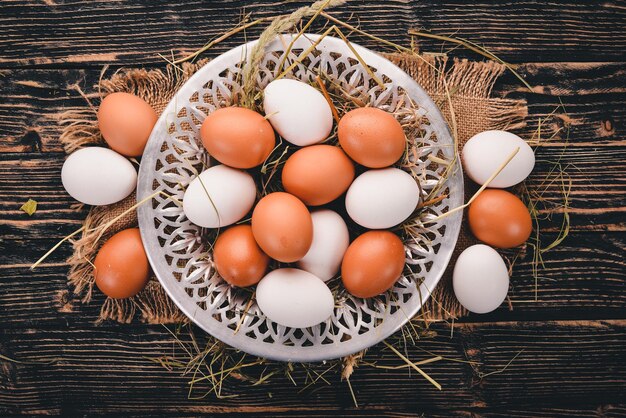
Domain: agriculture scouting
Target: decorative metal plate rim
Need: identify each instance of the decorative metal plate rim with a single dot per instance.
(272, 350)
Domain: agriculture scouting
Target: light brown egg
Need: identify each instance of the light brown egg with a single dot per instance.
(126, 122)
(282, 226)
(318, 174)
(238, 258)
(500, 219)
(122, 268)
(371, 137)
(238, 137)
(372, 263)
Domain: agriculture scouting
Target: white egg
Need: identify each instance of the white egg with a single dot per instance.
(294, 298)
(383, 198)
(330, 242)
(219, 196)
(297, 111)
(480, 279)
(486, 151)
(98, 176)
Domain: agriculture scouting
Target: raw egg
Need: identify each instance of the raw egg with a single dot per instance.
(486, 151)
(500, 219)
(282, 226)
(219, 196)
(297, 111)
(318, 174)
(238, 137)
(371, 137)
(480, 279)
(372, 263)
(380, 199)
(238, 258)
(330, 241)
(294, 298)
(121, 266)
(126, 122)
(98, 176)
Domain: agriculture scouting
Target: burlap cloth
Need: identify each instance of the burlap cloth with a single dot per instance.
(469, 83)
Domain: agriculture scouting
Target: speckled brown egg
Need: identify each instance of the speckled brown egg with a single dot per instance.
(372, 263)
(126, 122)
(500, 219)
(121, 266)
(238, 258)
(238, 137)
(318, 174)
(371, 137)
(282, 226)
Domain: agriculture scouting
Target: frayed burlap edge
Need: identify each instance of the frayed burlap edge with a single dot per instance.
(464, 85)
(80, 128)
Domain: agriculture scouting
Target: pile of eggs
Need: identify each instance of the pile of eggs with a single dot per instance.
(298, 227)
(309, 241)
(496, 217)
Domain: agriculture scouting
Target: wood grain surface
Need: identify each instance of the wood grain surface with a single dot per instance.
(558, 351)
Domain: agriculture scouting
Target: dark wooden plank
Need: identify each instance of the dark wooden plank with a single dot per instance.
(602, 410)
(62, 34)
(597, 197)
(40, 179)
(607, 411)
(568, 368)
(560, 31)
(569, 78)
(31, 104)
(584, 278)
(579, 364)
(593, 95)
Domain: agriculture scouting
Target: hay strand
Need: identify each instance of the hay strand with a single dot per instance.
(278, 26)
(483, 187)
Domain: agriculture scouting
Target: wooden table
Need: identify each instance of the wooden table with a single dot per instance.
(570, 344)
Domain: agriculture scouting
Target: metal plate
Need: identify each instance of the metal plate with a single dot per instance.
(182, 261)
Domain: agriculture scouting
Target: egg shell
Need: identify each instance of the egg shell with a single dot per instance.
(282, 226)
(98, 176)
(294, 298)
(126, 122)
(480, 279)
(380, 199)
(238, 137)
(219, 196)
(371, 137)
(372, 264)
(486, 151)
(121, 266)
(297, 111)
(330, 241)
(500, 219)
(238, 258)
(318, 174)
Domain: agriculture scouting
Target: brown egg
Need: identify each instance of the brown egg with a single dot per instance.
(126, 122)
(282, 226)
(371, 137)
(238, 258)
(372, 263)
(122, 268)
(318, 174)
(238, 137)
(500, 219)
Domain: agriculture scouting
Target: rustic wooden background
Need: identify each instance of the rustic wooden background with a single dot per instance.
(571, 342)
